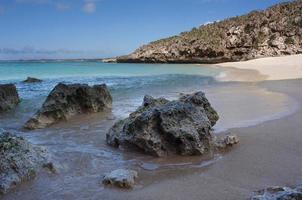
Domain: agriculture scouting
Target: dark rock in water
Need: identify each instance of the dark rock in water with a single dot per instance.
(19, 161)
(120, 178)
(160, 127)
(279, 193)
(9, 97)
(65, 101)
(32, 80)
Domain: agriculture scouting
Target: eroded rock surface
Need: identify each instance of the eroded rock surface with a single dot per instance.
(65, 101)
(279, 193)
(19, 161)
(161, 127)
(121, 178)
(9, 97)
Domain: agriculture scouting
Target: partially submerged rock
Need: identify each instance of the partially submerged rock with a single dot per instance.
(9, 97)
(19, 161)
(279, 193)
(65, 101)
(226, 141)
(121, 178)
(32, 80)
(160, 127)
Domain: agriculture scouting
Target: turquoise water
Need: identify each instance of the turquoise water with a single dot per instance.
(48, 70)
(128, 83)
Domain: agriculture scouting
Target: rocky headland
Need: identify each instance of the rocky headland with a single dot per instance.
(65, 101)
(9, 97)
(273, 32)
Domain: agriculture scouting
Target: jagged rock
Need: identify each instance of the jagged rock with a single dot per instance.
(226, 141)
(121, 178)
(19, 161)
(279, 193)
(32, 80)
(109, 60)
(9, 97)
(65, 101)
(272, 32)
(160, 127)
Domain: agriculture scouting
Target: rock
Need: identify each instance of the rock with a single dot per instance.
(109, 60)
(121, 178)
(19, 161)
(9, 97)
(245, 37)
(226, 141)
(279, 193)
(32, 80)
(160, 127)
(65, 101)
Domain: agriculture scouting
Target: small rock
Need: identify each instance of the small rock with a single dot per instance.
(9, 97)
(121, 178)
(226, 141)
(32, 80)
(278, 193)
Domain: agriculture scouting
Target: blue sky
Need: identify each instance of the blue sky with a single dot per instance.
(32, 29)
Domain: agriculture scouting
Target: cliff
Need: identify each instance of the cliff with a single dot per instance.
(273, 32)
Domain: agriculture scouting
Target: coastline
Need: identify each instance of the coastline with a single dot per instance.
(268, 154)
(269, 68)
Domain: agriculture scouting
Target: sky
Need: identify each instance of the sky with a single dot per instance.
(38, 29)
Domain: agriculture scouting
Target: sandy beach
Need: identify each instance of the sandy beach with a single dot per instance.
(271, 68)
(269, 154)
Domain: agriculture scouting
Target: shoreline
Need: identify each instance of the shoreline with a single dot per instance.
(269, 68)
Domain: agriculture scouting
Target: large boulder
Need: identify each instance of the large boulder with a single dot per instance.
(9, 97)
(161, 127)
(19, 161)
(65, 101)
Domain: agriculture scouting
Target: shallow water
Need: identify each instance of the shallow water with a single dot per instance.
(78, 146)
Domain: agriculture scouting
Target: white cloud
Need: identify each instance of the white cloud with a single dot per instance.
(2, 10)
(62, 6)
(89, 6)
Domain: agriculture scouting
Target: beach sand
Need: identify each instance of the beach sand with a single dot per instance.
(269, 154)
(271, 68)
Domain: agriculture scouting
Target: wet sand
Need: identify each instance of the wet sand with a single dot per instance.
(269, 154)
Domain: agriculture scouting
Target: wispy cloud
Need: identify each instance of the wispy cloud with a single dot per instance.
(30, 52)
(34, 1)
(2, 10)
(89, 6)
(62, 6)
(57, 4)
